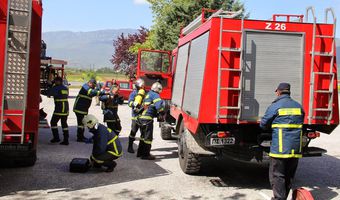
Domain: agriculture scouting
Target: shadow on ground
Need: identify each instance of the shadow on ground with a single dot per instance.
(51, 169)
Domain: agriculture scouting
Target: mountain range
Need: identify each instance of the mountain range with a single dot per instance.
(83, 49)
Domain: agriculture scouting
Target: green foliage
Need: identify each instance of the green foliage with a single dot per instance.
(172, 15)
(88, 75)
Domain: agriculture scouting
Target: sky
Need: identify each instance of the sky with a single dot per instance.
(89, 15)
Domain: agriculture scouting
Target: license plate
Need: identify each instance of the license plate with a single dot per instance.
(222, 141)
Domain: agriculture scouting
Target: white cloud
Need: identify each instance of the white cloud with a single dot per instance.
(140, 2)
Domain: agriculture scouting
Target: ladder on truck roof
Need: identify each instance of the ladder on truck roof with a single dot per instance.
(239, 53)
(330, 75)
(14, 95)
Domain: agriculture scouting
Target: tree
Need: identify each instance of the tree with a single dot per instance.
(172, 15)
(123, 59)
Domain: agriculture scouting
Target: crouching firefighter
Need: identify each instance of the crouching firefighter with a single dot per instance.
(82, 105)
(285, 117)
(110, 108)
(135, 102)
(106, 145)
(61, 110)
(153, 106)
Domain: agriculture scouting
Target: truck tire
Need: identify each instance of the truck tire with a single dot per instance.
(166, 132)
(190, 163)
(29, 161)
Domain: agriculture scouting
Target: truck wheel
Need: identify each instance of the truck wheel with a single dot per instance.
(166, 132)
(189, 162)
(29, 161)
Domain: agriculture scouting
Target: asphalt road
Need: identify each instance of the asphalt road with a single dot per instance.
(161, 179)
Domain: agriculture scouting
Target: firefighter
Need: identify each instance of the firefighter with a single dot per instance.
(61, 110)
(135, 102)
(110, 108)
(285, 117)
(82, 105)
(106, 144)
(153, 107)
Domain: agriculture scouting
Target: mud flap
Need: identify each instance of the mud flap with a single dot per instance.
(313, 152)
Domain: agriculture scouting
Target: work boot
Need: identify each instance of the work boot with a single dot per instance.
(80, 136)
(55, 136)
(146, 153)
(65, 141)
(140, 149)
(130, 147)
(111, 167)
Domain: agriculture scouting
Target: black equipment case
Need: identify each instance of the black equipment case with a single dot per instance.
(80, 165)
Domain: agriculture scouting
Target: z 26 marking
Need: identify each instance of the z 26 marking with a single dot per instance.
(276, 26)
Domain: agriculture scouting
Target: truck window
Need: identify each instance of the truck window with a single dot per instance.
(155, 62)
(124, 85)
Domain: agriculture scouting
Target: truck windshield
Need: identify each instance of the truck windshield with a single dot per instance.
(155, 61)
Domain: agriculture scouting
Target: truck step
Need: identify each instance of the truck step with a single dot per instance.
(230, 49)
(19, 10)
(227, 88)
(324, 36)
(18, 52)
(17, 31)
(323, 109)
(230, 107)
(231, 69)
(325, 54)
(323, 91)
(313, 152)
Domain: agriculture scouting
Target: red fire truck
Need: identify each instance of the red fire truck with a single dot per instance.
(20, 40)
(225, 72)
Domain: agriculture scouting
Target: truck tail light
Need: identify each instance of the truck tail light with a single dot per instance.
(313, 135)
(223, 134)
(27, 138)
(10, 139)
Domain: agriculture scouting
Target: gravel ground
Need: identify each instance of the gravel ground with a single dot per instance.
(160, 179)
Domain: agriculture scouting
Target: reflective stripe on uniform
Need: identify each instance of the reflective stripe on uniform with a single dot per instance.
(285, 155)
(89, 91)
(147, 142)
(134, 118)
(80, 112)
(64, 91)
(145, 117)
(287, 126)
(85, 97)
(110, 120)
(61, 114)
(157, 100)
(54, 127)
(130, 104)
(65, 129)
(115, 154)
(96, 160)
(290, 111)
(60, 100)
(109, 130)
(98, 93)
(80, 126)
(280, 141)
(112, 140)
(63, 109)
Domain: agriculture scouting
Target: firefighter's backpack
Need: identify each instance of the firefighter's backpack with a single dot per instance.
(80, 165)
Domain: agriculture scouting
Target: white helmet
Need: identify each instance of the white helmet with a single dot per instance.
(157, 87)
(139, 83)
(90, 121)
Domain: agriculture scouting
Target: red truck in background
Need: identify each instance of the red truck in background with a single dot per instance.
(126, 87)
(224, 73)
(20, 47)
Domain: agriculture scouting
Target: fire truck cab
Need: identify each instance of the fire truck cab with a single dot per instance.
(225, 72)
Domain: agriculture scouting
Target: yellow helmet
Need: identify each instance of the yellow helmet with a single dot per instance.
(90, 121)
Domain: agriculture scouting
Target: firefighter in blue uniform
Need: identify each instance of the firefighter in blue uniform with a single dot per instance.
(60, 94)
(82, 105)
(110, 108)
(106, 144)
(153, 107)
(135, 102)
(285, 117)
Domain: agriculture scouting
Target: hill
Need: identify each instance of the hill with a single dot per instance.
(83, 49)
